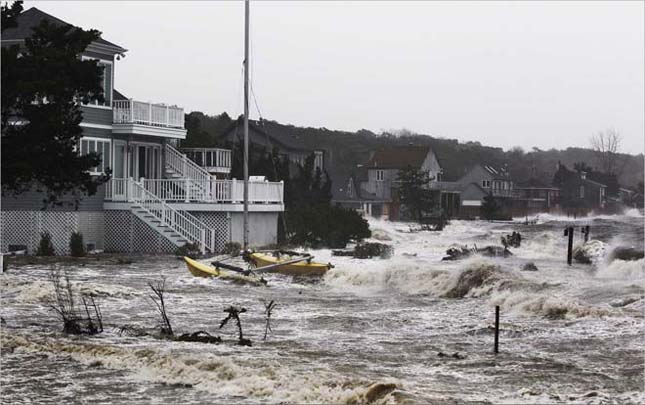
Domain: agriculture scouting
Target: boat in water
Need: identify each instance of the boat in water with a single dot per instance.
(199, 269)
(285, 262)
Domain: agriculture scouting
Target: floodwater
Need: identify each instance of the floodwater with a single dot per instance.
(568, 334)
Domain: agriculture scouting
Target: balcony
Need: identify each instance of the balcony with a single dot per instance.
(213, 160)
(200, 192)
(143, 118)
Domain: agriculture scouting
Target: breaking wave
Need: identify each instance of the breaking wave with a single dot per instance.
(215, 374)
(33, 291)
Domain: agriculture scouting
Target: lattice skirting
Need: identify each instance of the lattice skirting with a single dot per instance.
(125, 233)
(25, 227)
(220, 222)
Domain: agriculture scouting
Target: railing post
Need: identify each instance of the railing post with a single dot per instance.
(167, 117)
(211, 189)
(131, 111)
(202, 237)
(187, 189)
(184, 163)
(281, 191)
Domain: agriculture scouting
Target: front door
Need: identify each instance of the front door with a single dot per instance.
(145, 161)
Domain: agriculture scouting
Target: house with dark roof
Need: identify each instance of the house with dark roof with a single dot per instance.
(157, 198)
(534, 196)
(379, 192)
(578, 193)
(264, 136)
(482, 180)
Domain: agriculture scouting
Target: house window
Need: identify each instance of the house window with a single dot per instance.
(380, 175)
(582, 191)
(486, 183)
(106, 83)
(318, 160)
(100, 146)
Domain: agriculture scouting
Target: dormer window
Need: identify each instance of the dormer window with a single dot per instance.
(380, 175)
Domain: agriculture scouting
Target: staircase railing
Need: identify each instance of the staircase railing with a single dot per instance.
(185, 224)
(181, 164)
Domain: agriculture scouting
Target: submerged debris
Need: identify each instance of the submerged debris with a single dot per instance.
(530, 266)
(367, 250)
(626, 253)
(234, 313)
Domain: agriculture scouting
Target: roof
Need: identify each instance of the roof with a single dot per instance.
(117, 95)
(594, 182)
(277, 135)
(496, 172)
(29, 19)
(398, 157)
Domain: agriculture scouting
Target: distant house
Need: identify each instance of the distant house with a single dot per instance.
(157, 198)
(290, 145)
(482, 180)
(380, 190)
(535, 195)
(577, 192)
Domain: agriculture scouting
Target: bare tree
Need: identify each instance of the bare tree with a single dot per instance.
(158, 299)
(65, 304)
(606, 145)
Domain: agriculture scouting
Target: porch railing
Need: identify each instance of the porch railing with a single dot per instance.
(182, 222)
(211, 159)
(143, 113)
(207, 191)
(215, 191)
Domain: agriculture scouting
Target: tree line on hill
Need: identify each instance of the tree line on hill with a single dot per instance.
(347, 150)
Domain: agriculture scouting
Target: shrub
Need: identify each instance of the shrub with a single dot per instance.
(45, 247)
(76, 246)
(189, 249)
(325, 226)
(232, 248)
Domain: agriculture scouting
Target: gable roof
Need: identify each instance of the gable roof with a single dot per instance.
(29, 19)
(398, 157)
(276, 136)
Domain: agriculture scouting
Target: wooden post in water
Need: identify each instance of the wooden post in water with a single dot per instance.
(568, 231)
(585, 232)
(496, 349)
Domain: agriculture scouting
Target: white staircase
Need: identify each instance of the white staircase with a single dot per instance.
(179, 227)
(179, 166)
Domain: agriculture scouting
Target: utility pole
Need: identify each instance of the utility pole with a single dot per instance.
(246, 125)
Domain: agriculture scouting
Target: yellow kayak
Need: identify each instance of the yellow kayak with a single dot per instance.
(303, 268)
(198, 269)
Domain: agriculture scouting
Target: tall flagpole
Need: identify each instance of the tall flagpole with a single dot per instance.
(246, 125)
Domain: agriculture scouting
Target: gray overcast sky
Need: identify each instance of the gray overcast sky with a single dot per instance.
(545, 74)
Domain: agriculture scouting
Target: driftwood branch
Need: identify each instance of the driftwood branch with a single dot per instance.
(234, 313)
(268, 308)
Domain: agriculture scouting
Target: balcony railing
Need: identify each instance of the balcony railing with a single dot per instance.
(213, 160)
(142, 113)
(190, 190)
